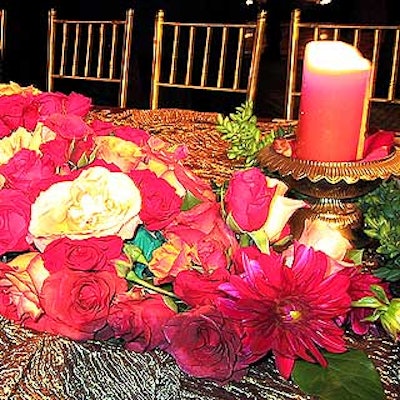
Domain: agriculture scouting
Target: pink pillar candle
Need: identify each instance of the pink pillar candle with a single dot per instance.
(332, 104)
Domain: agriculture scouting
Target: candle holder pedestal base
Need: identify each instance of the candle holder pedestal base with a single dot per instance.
(330, 188)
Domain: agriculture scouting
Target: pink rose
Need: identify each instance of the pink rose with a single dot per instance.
(93, 254)
(134, 135)
(15, 211)
(206, 345)
(70, 126)
(57, 150)
(50, 103)
(78, 302)
(78, 104)
(199, 289)
(139, 320)
(160, 203)
(8, 308)
(171, 258)
(26, 276)
(169, 167)
(248, 198)
(103, 128)
(28, 172)
(17, 110)
(256, 204)
(202, 228)
(202, 217)
(212, 254)
(60, 103)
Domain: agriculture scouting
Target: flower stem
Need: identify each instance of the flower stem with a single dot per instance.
(132, 277)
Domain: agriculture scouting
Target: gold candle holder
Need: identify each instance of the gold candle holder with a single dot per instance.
(331, 188)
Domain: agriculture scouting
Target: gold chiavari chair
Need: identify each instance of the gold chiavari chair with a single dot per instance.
(93, 51)
(206, 56)
(380, 44)
(2, 33)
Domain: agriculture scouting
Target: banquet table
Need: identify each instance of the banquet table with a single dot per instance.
(43, 366)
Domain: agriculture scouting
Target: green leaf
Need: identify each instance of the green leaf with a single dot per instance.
(356, 256)
(391, 275)
(349, 376)
(241, 130)
(379, 293)
(261, 240)
(189, 201)
(134, 253)
(368, 301)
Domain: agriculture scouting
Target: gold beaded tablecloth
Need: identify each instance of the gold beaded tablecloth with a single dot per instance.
(41, 366)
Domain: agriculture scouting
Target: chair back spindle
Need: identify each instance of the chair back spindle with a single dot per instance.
(93, 51)
(206, 56)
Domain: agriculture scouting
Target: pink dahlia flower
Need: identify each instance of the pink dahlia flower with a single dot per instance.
(289, 310)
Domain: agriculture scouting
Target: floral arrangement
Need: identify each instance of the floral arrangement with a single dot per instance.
(104, 234)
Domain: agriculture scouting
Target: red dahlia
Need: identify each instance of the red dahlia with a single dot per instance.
(290, 310)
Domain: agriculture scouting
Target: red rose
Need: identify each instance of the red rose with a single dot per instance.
(197, 289)
(81, 147)
(360, 286)
(68, 126)
(205, 344)
(248, 198)
(140, 320)
(15, 210)
(160, 203)
(78, 302)
(29, 172)
(379, 144)
(93, 254)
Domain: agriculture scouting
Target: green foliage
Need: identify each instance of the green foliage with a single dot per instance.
(349, 376)
(189, 201)
(241, 130)
(381, 209)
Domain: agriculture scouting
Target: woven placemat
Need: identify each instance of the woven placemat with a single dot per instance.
(207, 156)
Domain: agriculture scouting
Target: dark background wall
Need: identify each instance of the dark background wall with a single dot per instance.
(25, 60)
